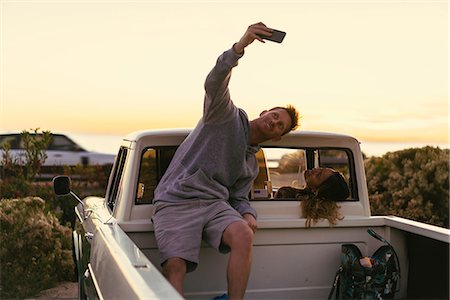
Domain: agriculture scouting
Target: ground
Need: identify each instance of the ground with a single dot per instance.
(64, 290)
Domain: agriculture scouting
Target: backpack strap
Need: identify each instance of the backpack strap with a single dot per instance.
(377, 236)
(335, 282)
(380, 238)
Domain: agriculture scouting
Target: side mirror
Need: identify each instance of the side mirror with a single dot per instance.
(61, 186)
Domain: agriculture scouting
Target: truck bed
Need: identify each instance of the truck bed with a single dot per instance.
(293, 262)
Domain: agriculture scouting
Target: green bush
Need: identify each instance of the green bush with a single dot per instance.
(35, 250)
(411, 183)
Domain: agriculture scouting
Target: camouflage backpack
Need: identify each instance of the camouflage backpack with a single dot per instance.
(374, 277)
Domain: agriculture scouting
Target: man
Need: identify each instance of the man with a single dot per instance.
(204, 192)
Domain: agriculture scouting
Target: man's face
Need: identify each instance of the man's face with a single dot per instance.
(315, 177)
(273, 124)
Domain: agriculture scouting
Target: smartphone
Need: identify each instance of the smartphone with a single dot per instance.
(277, 36)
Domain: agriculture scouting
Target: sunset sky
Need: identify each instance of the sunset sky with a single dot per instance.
(377, 70)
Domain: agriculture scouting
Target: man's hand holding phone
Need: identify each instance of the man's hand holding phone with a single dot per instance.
(259, 32)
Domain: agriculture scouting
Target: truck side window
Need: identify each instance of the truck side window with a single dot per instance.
(154, 162)
(115, 180)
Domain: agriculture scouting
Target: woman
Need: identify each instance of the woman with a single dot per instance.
(324, 186)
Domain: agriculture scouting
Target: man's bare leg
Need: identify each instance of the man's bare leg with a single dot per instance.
(174, 269)
(239, 237)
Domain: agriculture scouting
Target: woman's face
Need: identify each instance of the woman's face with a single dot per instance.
(315, 177)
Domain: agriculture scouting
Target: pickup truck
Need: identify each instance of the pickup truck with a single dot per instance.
(117, 257)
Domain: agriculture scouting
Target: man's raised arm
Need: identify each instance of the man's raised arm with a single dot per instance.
(217, 103)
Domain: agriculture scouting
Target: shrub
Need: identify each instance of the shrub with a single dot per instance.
(411, 183)
(35, 154)
(35, 250)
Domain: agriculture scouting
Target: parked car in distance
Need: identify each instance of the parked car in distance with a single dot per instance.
(62, 151)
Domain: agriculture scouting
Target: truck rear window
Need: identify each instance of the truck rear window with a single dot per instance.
(278, 167)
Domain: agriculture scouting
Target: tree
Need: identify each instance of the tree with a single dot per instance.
(17, 175)
(411, 183)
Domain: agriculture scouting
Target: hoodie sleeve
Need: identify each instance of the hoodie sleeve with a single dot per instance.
(239, 198)
(217, 104)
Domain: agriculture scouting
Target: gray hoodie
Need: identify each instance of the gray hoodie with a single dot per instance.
(215, 162)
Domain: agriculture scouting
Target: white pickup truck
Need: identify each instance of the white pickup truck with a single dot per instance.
(117, 256)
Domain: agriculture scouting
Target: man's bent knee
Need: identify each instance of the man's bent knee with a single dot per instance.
(238, 234)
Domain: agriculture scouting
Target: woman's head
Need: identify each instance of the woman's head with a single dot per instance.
(328, 186)
(318, 201)
(327, 183)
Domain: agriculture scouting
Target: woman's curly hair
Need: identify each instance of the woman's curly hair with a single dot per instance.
(314, 209)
